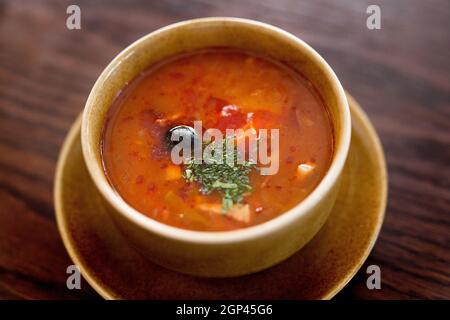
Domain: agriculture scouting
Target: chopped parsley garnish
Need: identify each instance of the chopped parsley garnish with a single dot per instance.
(232, 182)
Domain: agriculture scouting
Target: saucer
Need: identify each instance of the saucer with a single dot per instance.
(318, 271)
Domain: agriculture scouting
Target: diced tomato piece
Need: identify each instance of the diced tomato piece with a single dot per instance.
(231, 117)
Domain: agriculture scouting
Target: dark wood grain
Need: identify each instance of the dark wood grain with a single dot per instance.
(400, 75)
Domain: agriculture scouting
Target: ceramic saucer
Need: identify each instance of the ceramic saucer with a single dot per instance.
(318, 271)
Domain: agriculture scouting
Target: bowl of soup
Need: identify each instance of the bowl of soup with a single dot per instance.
(218, 144)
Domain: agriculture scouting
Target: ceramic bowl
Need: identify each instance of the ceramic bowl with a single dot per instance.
(227, 253)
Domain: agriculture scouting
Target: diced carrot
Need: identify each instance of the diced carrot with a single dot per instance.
(173, 173)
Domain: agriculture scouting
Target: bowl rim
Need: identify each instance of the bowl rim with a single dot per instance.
(218, 237)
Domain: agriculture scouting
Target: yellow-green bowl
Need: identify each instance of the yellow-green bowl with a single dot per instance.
(230, 253)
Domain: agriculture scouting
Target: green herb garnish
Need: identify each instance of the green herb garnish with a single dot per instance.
(232, 181)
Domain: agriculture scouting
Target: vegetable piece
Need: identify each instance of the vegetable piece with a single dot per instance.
(210, 207)
(173, 173)
(239, 212)
(186, 210)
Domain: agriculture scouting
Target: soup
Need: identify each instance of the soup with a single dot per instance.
(224, 89)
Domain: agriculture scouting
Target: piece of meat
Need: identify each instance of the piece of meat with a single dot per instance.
(239, 212)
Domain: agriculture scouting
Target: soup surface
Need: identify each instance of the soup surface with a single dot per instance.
(225, 89)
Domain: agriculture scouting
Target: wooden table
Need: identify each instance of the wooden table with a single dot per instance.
(400, 75)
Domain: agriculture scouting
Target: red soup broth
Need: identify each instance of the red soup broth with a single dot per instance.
(198, 86)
